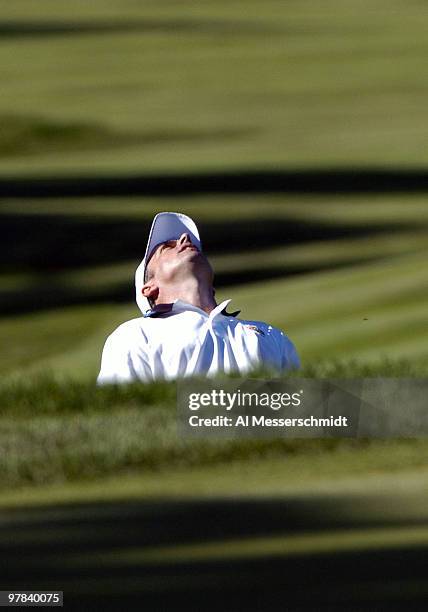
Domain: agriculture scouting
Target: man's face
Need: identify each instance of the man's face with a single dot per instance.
(175, 259)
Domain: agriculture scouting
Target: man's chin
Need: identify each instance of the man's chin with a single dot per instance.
(194, 261)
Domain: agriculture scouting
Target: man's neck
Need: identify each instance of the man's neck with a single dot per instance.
(192, 292)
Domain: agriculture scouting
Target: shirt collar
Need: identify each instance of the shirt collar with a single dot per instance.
(181, 306)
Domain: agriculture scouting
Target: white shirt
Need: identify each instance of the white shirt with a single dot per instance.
(187, 341)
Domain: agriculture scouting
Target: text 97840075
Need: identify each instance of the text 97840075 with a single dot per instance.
(31, 598)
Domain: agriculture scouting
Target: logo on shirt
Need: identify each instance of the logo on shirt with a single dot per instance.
(256, 329)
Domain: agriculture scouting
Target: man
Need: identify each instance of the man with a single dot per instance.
(183, 331)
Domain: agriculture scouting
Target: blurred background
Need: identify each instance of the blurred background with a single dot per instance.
(295, 134)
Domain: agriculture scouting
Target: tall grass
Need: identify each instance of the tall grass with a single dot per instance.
(61, 431)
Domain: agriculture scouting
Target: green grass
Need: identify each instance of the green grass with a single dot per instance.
(34, 136)
(379, 468)
(378, 210)
(64, 431)
(29, 341)
(96, 480)
(108, 88)
(294, 83)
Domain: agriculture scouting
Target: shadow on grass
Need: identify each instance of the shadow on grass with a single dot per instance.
(306, 181)
(51, 292)
(38, 28)
(34, 135)
(210, 26)
(97, 554)
(56, 242)
(46, 246)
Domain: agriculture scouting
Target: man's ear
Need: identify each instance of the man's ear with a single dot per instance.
(150, 291)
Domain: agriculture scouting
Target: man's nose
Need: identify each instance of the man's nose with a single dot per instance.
(184, 238)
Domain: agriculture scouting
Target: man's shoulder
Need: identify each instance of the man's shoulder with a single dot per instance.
(266, 328)
(279, 338)
(127, 329)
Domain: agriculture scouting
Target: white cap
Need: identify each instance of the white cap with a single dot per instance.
(165, 226)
